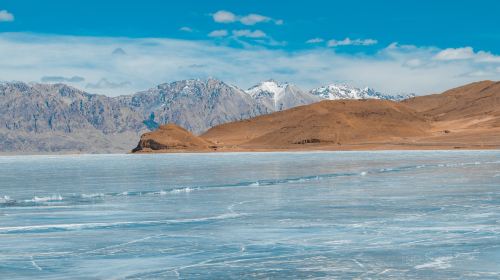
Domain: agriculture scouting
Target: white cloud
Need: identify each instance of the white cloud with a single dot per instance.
(106, 84)
(249, 33)
(478, 74)
(61, 79)
(315, 41)
(250, 19)
(413, 63)
(218, 33)
(6, 16)
(455, 54)
(487, 57)
(466, 53)
(186, 29)
(396, 68)
(253, 19)
(224, 17)
(350, 42)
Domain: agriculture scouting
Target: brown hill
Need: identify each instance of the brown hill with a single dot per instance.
(464, 117)
(478, 101)
(171, 137)
(327, 123)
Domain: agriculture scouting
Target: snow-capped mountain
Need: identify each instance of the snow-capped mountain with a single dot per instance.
(56, 117)
(280, 96)
(344, 91)
(196, 105)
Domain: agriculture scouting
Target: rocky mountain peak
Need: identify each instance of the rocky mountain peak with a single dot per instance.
(38, 117)
(338, 91)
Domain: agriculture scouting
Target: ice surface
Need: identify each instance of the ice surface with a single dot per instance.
(377, 215)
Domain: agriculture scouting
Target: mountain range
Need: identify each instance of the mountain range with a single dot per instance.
(466, 117)
(44, 118)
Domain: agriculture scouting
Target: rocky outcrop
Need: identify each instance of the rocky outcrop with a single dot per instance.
(172, 138)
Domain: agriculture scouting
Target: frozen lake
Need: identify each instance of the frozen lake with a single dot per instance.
(394, 214)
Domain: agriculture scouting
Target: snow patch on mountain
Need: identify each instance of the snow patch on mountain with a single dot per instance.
(278, 96)
(344, 91)
(269, 92)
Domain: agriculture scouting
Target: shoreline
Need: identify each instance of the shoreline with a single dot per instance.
(235, 151)
(346, 148)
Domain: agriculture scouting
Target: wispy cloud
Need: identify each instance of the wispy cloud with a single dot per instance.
(395, 68)
(186, 29)
(218, 33)
(238, 36)
(253, 19)
(249, 33)
(106, 84)
(315, 41)
(466, 53)
(352, 42)
(455, 54)
(6, 16)
(223, 16)
(61, 79)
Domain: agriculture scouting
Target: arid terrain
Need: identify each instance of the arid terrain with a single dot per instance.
(172, 137)
(467, 117)
(38, 118)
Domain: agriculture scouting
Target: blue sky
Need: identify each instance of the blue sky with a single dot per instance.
(394, 46)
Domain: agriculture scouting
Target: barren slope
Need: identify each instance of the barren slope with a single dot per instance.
(477, 101)
(171, 137)
(323, 123)
(465, 117)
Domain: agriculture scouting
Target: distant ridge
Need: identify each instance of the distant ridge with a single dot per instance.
(345, 91)
(57, 118)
